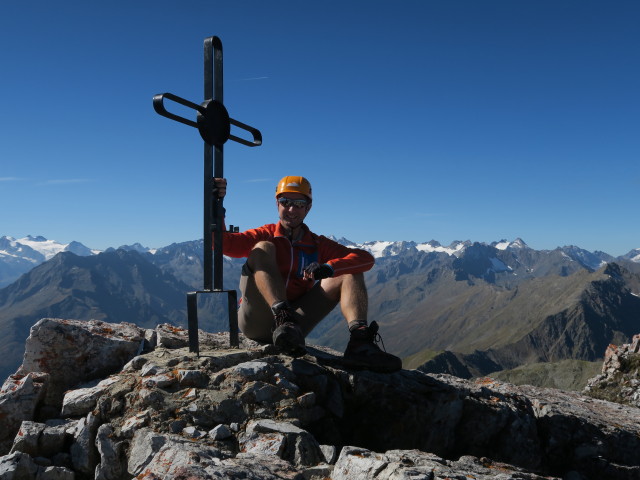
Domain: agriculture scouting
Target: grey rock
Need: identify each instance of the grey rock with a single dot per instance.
(265, 444)
(162, 380)
(149, 369)
(221, 432)
(28, 437)
(111, 461)
(284, 440)
(330, 453)
(81, 401)
(84, 454)
(620, 377)
(16, 466)
(136, 363)
(170, 336)
(317, 472)
(192, 378)
(307, 400)
(73, 352)
(55, 473)
(363, 464)
(254, 370)
(260, 392)
(144, 445)
(193, 432)
(19, 397)
(135, 422)
(271, 426)
(284, 383)
(169, 456)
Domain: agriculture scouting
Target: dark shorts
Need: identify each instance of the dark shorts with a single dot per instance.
(255, 317)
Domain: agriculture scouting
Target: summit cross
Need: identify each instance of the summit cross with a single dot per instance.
(214, 125)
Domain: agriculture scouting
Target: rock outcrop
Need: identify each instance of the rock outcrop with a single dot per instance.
(114, 401)
(620, 377)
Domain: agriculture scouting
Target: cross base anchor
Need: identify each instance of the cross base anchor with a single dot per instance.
(192, 313)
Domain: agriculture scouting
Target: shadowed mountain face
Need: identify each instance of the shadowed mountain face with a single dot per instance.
(489, 308)
(541, 320)
(116, 286)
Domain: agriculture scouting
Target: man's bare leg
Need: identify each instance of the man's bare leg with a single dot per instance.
(361, 351)
(262, 262)
(287, 335)
(351, 292)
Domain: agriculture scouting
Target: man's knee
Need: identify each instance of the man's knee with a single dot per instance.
(334, 287)
(263, 251)
(350, 280)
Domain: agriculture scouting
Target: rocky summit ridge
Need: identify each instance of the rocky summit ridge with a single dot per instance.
(117, 401)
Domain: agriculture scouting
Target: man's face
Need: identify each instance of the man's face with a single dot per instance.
(292, 216)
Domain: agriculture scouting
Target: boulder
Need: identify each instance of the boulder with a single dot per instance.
(360, 463)
(79, 402)
(620, 377)
(20, 395)
(75, 352)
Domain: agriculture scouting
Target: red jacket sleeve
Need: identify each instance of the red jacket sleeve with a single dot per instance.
(342, 259)
(239, 245)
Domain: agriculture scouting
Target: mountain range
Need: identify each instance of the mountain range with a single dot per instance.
(468, 308)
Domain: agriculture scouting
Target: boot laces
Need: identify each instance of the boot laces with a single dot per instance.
(370, 334)
(282, 316)
(375, 336)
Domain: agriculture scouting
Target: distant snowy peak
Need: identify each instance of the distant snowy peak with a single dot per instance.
(137, 247)
(38, 249)
(385, 249)
(456, 247)
(593, 260)
(389, 249)
(504, 244)
(633, 255)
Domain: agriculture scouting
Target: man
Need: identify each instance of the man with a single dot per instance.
(293, 278)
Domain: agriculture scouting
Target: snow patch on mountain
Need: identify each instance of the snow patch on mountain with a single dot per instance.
(137, 247)
(381, 249)
(633, 255)
(586, 258)
(456, 248)
(498, 265)
(47, 248)
(504, 244)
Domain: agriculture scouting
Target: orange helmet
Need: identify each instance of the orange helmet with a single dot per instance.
(294, 184)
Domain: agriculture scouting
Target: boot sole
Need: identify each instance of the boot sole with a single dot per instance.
(356, 364)
(292, 348)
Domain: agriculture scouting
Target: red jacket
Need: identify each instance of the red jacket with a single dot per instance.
(294, 257)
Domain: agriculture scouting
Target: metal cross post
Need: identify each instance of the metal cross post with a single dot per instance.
(214, 124)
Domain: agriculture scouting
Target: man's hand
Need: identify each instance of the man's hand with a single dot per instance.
(315, 271)
(220, 187)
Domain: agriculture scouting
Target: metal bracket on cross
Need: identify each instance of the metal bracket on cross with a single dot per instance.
(214, 124)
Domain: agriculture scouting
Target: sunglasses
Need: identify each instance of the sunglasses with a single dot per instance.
(290, 202)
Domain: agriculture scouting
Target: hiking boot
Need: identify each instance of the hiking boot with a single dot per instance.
(287, 336)
(363, 352)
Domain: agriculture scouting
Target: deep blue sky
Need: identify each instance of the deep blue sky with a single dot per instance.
(414, 120)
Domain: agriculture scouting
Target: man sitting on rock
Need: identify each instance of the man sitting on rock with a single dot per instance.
(293, 278)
